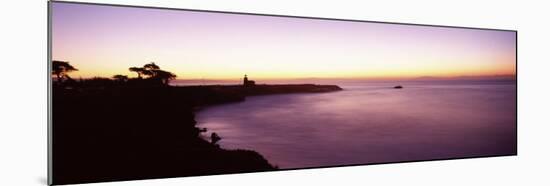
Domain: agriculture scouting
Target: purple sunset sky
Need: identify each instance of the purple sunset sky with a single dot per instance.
(106, 40)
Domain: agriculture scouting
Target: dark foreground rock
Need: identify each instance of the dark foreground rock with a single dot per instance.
(114, 133)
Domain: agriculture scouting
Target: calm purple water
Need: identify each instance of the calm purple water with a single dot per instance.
(372, 123)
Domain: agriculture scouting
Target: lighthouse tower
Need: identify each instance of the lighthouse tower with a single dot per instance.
(248, 83)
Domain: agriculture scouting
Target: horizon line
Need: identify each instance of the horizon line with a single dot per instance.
(428, 77)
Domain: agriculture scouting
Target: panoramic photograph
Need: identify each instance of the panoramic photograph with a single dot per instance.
(142, 93)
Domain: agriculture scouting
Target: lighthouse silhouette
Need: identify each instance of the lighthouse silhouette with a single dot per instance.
(248, 83)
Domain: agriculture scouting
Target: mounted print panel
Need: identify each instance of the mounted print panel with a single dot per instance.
(142, 93)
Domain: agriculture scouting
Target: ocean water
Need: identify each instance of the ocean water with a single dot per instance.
(370, 122)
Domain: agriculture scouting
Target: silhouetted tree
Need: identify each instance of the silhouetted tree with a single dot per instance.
(164, 76)
(120, 78)
(61, 68)
(146, 70)
(153, 71)
(138, 70)
(150, 69)
(148, 73)
(151, 66)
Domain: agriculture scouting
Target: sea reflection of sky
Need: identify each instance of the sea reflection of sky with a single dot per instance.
(371, 123)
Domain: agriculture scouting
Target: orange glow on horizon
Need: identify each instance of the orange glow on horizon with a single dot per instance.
(375, 73)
